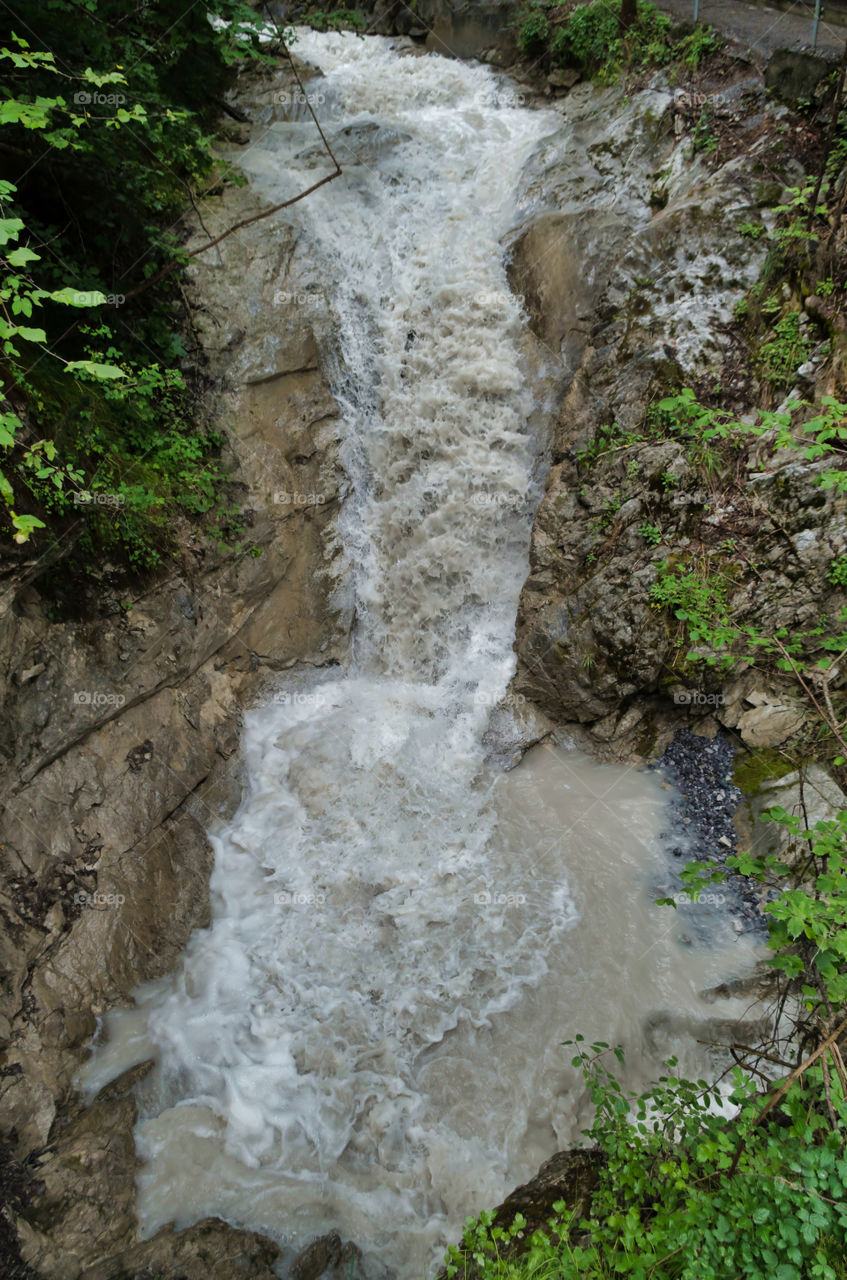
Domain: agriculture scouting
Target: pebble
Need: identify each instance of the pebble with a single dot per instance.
(701, 809)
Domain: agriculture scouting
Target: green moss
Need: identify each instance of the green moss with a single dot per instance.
(753, 768)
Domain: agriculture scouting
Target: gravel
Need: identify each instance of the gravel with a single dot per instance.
(702, 804)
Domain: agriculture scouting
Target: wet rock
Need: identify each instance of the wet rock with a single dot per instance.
(809, 794)
(663, 1029)
(329, 1257)
(564, 78)
(648, 317)
(793, 75)
(317, 1257)
(769, 721)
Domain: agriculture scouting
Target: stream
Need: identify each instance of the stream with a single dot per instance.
(368, 1037)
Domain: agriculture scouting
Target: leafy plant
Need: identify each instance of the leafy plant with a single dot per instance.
(780, 357)
(681, 1194)
(534, 29)
(137, 122)
(837, 571)
(591, 36)
(704, 140)
(698, 46)
(651, 533)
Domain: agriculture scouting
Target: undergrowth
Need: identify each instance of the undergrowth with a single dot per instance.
(591, 37)
(106, 130)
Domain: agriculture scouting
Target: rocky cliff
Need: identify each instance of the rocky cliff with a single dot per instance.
(633, 275)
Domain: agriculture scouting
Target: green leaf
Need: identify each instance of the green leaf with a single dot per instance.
(9, 228)
(25, 526)
(20, 257)
(28, 335)
(78, 298)
(95, 370)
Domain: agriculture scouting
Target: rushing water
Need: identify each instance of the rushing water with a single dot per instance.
(369, 1034)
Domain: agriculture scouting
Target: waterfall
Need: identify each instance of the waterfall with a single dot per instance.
(368, 1035)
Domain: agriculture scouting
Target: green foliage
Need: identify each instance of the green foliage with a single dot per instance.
(681, 1195)
(697, 597)
(534, 29)
(698, 46)
(591, 36)
(714, 437)
(339, 19)
(609, 438)
(697, 594)
(704, 140)
(651, 533)
(780, 357)
(812, 434)
(809, 916)
(105, 129)
(752, 230)
(837, 571)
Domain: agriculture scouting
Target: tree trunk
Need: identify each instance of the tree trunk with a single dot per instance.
(628, 13)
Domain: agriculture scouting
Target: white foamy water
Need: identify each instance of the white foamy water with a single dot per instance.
(368, 1036)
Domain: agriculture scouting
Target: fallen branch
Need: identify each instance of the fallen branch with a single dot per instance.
(245, 222)
(256, 217)
(786, 1085)
(824, 716)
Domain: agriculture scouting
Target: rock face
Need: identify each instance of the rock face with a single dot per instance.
(474, 28)
(630, 275)
(116, 736)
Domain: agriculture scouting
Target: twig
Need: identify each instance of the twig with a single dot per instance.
(840, 1068)
(245, 222)
(808, 691)
(781, 1092)
(745, 1048)
(256, 217)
